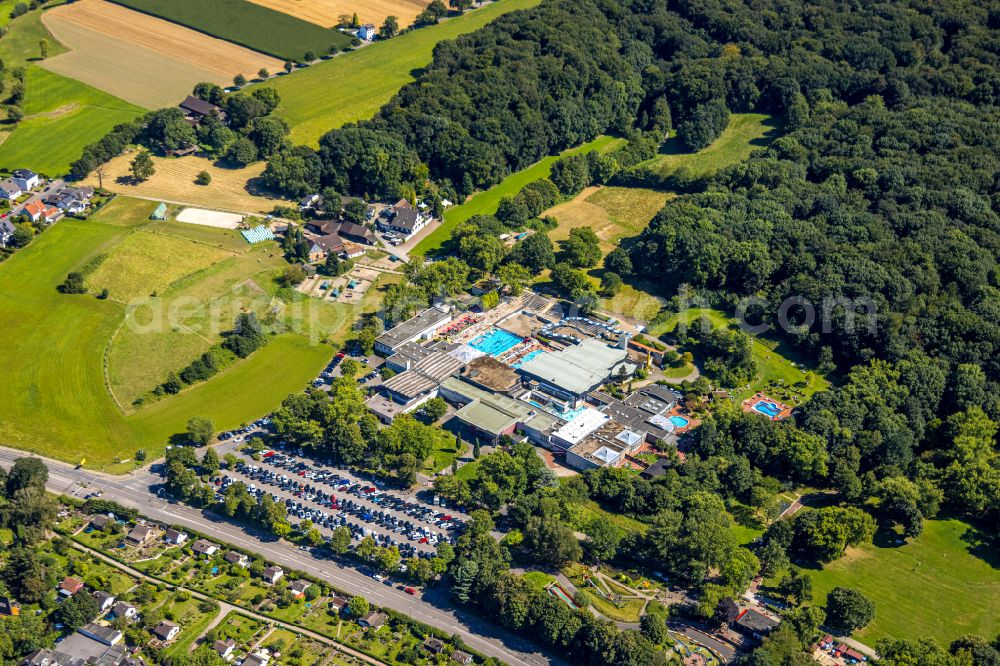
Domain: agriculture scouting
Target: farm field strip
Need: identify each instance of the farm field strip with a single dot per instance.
(363, 81)
(251, 25)
(140, 58)
(327, 12)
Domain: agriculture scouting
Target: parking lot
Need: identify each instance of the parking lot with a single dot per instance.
(331, 497)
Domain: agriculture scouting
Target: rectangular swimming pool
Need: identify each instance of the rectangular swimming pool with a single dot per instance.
(495, 342)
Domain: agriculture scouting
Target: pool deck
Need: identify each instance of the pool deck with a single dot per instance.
(749, 403)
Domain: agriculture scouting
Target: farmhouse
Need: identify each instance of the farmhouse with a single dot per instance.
(7, 230)
(195, 109)
(403, 219)
(367, 32)
(26, 179)
(326, 245)
(10, 190)
(421, 326)
(356, 233)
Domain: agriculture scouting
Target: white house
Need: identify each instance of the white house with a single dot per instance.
(272, 574)
(166, 631)
(205, 548)
(367, 32)
(104, 600)
(175, 537)
(10, 190)
(125, 610)
(6, 232)
(26, 179)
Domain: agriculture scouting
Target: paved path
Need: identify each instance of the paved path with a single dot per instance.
(226, 608)
(140, 490)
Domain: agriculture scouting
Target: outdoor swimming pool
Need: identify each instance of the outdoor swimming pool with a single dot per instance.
(495, 342)
(678, 421)
(527, 357)
(768, 409)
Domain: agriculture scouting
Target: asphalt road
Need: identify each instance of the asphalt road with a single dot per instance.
(139, 490)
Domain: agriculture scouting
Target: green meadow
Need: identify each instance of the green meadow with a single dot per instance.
(69, 347)
(61, 115)
(485, 202)
(931, 587)
(353, 86)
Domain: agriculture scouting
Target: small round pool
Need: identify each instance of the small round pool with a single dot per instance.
(678, 421)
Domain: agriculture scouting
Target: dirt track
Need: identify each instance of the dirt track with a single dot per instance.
(140, 58)
(327, 12)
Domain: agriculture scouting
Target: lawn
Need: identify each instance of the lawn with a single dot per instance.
(193, 623)
(932, 587)
(746, 132)
(538, 579)
(239, 627)
(581, 514)
(485, 203)
(61, 115)
(467, 471)
(357, 84)
(57, 400)
(779, 367)
(443, 453)
(247, 24)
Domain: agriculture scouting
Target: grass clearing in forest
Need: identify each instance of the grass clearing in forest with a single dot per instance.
(745, 133)
(359, 83)
(485, 203)
(930, 587)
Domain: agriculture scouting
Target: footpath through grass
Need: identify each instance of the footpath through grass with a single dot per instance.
(353, 86)
(931, 587)
(485, 203)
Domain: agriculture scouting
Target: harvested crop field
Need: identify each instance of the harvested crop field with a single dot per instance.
(242, 22)
(327, 12)
(140, 58)
(174, 182)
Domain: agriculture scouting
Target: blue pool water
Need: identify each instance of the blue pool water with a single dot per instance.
(527, 357)
(768, 409)
(567, 415)
(495, 342)
(679, 421)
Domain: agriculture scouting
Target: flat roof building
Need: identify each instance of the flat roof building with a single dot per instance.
(574, 432)
(606, 446)
(578, 369)
(490, 374)
(421, 326)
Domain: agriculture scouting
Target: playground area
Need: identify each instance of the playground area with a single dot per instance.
(349, 289)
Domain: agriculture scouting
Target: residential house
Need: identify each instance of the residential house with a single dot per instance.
(239, 559)
(9, 607)
(257, 659)
(373, 620)
(123, 609)
(326, 245)
(224, 648)
(367, 32)
(272, 574)
(339, 602)
(460, 657)
(7, 230)
(175, 537)
(140, 534)
(70, 586)
(166, 631)
(311, 203)
(70, 200)
(104, 635)
(299, 587)
(433, 644)
(26, 179)
(100, 521)
(205, 548)
(39, 211)
(104, 600)
(404, 220)
(10, 190)
(195, 109)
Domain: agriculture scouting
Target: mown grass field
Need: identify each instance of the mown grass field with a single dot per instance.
(247, 24)
(778, 365)
(61, 115)
(485, 203)
(931, 587)
(56, 396)
(353, 86)
(745, 132)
